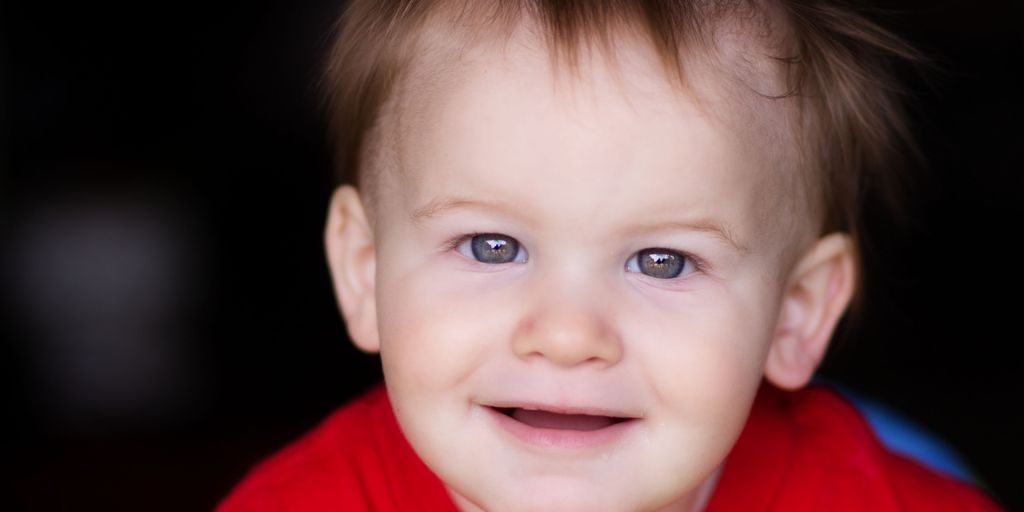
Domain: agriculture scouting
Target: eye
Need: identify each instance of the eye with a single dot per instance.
(659, 263)
(492, 248)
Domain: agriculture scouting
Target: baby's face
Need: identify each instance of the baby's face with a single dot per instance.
(577, 281)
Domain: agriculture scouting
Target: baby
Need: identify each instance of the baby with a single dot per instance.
(600, 246)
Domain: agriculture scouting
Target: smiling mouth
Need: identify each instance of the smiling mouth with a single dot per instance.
(557, 421)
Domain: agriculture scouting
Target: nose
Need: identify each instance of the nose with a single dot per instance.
(568, 335)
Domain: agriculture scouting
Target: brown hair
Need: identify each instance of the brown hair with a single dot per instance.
(839, 66)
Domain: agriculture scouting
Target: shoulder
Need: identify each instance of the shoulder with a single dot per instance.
(327, 467)
(837, 453)
(813, 450)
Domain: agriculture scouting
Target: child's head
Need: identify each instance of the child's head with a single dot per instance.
(624, 215)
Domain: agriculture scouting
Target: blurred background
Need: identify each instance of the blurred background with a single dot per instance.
(166, 318)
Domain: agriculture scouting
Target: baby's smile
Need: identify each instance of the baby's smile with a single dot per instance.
(562, 428)
(560, 421)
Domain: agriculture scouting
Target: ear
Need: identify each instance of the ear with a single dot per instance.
(817, 293)
(352, 259)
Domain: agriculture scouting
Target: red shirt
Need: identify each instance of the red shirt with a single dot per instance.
(802, 451)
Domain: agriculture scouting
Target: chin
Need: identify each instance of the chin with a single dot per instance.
(550, 494)
(561, 502)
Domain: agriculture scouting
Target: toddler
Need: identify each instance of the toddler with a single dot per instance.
(601, 247)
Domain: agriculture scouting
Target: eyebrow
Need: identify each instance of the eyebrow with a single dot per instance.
(444, 204)
(713, 227)
(710, 226)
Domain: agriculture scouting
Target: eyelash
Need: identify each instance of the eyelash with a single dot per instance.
(699, 265)
(454, 243)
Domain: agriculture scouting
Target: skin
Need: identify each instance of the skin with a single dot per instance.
(583, 172)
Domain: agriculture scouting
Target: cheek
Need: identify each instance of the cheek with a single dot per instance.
(435, 328)
(706, 356)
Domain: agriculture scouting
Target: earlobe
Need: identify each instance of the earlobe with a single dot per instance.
(351, 257)
(816, 295)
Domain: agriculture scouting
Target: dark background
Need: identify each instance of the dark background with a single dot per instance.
(166, 317)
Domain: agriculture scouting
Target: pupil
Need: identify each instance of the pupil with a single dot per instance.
(660, 263)
(494, 248)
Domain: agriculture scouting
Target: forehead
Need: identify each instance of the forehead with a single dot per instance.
(492, 118)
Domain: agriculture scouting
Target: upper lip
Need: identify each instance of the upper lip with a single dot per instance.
(563, 409)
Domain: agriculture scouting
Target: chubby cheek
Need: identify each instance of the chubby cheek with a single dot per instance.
(436, 328)
(435, 332)
(721, 356)
(705, 362)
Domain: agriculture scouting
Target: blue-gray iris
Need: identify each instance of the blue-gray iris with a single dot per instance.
(494, 248)
(660, 263)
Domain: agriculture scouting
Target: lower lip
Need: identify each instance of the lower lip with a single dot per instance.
(562, 439)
